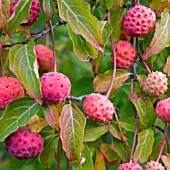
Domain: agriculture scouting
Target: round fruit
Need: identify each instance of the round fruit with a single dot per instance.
(24, 144)
(34, 11)
(98, 108)
(10, 89)
(125, 54)
(139, 21)
(155, 85)
(44, 58)
(153, 165)
(163, 110)
(55, 87)
(129, 166)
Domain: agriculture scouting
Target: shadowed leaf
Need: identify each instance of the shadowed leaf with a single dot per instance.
(167, 67)
(72, 123)
(16, 114)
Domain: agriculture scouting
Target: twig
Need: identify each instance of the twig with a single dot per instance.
(114, 60)
(1, 65)
(35, 36)
(80, 98)
(137, 2)
(140, 54)
(163, 142)
(53, 45)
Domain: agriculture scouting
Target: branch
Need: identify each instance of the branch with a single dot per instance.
(79, 99)
(35, 36)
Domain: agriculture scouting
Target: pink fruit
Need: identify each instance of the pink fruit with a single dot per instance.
(34, 11)
(163, 110)
(156, 84)
(125, 54)
(44, 58)
(98, 108)
(139, 21)
(129, 166)
(10, 89)
(24, 144)
(55, 87)
(153, 165)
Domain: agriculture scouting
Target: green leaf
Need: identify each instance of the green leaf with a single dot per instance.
(161, 37)
(20, 15)
(144, 146)
(99, 164)
(52, 114)
(16, 114)
(48, 153)
(109, 154)
(106, 30)
(23, 64)
(145, 110)
(93, 131)
(101, 82)
(106, 4)
(77, 14)
(48, 7)
(83, 50)
(72, 123)
(115, 20)
(4, 12)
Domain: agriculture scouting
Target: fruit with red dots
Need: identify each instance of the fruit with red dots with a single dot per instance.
(129, 166)
(153, 165)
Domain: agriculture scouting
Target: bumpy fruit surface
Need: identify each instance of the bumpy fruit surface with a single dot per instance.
(153, 165)
(163, 110)
(139, 21)
(10, 89)
(55, 87)
(44, 58)
(98, 108)
(155, 85)
(34, 11)
(24, 144)
(125, 54)
(129, 166)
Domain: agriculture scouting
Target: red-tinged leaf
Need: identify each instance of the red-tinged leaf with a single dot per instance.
(77, 14)
(93, 131)
(23, 64)
(4, 12)
(48, 153)
(72, 123)
(161, 37)
(166, 68)
(159, 6)
(99, 164)
(21, 14)
(144, 146)
(114, 130)
(109, 154)
(101, 82)
(48, 7)
(52, 114)
(166, 160)
(145, 110)
(141, 79)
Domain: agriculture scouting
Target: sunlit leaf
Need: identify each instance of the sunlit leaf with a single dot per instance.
(167, 67)
(48, 7)
(16, 114)
(77, 14)
(21, 14)
(144, 146)
(166, 160)
(145, 110)
(99, 163)
(106, 4)
(4, 12)
(72, 123)
(23, 64)
(161, 37)
(101, 82)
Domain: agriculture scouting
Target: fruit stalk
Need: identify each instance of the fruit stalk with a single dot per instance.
(53, 45)
(1, 64)
(163, 142)
(58, 154)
